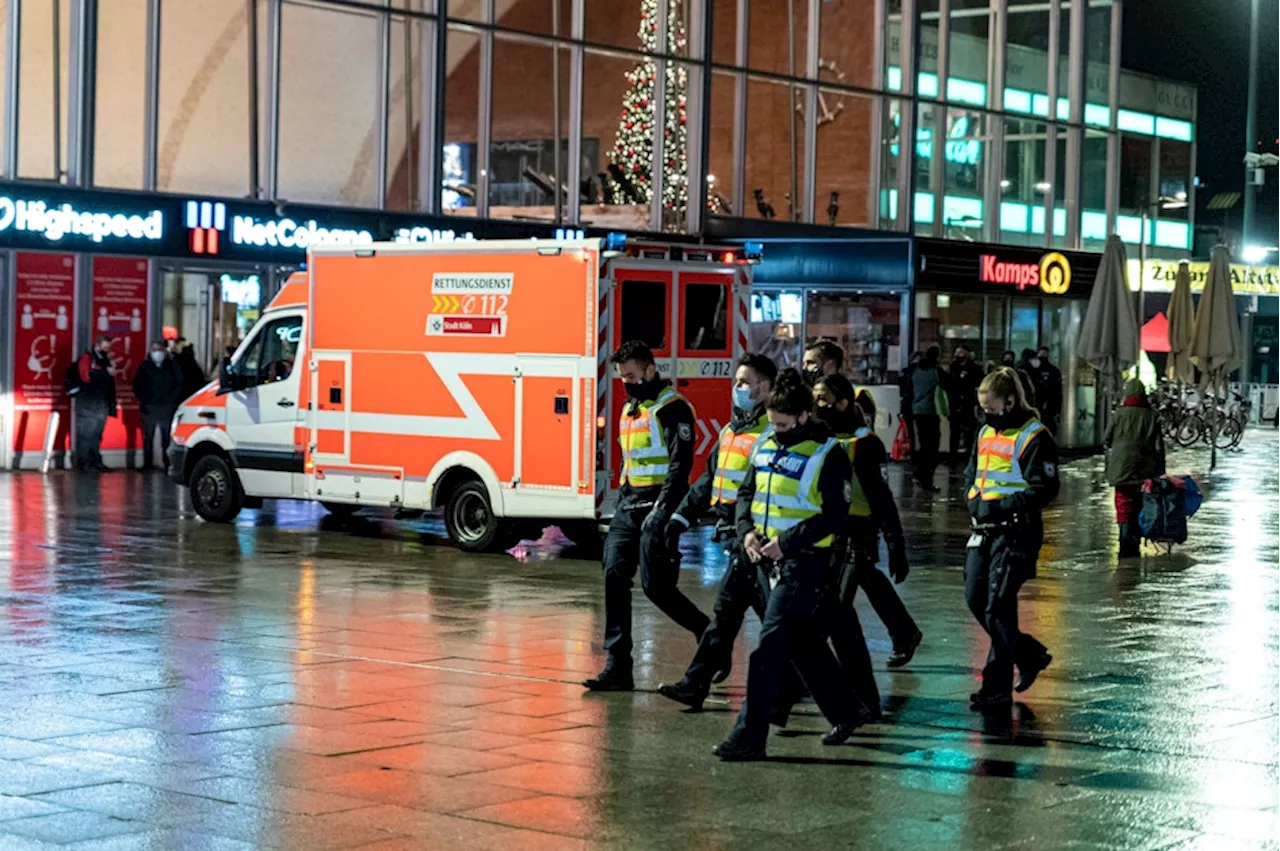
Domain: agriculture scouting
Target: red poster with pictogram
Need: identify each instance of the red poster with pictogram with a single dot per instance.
(44, 304)
(120, 309)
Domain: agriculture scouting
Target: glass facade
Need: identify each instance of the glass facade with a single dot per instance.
(1014, 123)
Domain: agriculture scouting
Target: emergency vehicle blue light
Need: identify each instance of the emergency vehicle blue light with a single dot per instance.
(615, 242)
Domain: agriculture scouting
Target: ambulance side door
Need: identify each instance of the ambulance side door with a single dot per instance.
(705, 361)
(642, 310)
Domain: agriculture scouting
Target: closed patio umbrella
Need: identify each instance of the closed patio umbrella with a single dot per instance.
(1109, 334)
(1182, 317)
(1215, 337)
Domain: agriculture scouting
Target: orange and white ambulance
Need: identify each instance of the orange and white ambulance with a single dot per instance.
(471, 377)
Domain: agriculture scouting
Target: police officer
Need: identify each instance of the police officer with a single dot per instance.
(656, 435)
(1011, 478)
(1048, 383)
(717, 490)
(790, 510)
(966, 375)
(822, 357)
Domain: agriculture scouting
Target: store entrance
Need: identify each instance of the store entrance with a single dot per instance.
(213, 307)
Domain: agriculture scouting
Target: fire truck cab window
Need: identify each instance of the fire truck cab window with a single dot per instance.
(706, 311)
(645, 314)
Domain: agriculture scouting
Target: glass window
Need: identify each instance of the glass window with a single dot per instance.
(772, 148)
(618, 123)
(777, 319)
(995, 337)
(42, 132)
(967, 75)
(845, 49)
(1023, 188)
(627, 25)
(522, 156)
(645, 315)
(1175, 176)
(771, 23)
(724, 33)
(328, 105)
(890, 163)
(720, 169)
(866, 327)
(461, 123)
(706, 312)
(1024, 326)
(204, 108)
(1135, 173)
(963, 152)
(536, 16)
(119, 99)
(929, 17)
(959, 322)
(405, 116)
(271, 354)
(843, 158)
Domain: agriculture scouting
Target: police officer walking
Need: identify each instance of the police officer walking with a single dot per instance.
(790, 510)
(656, 435)
(717, 490)
(1012, 477)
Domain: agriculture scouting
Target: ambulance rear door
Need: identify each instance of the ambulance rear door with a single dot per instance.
(710, 337)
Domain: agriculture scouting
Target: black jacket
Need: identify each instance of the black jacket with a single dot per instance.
(871, 466)
(98, 384)
(833, 488)
(697, 502)
(1047, 379)
(193, 377)
(966, 376)
(679, 432)
(158, 386)
(1039, 463)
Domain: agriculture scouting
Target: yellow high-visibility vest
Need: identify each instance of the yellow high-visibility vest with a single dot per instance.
(645, 461)
(999, 472)
(787, 485)
(733, 459)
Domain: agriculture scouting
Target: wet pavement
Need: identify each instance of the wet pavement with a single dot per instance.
(297, 682)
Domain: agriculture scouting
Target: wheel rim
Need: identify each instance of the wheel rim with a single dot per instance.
(470, 516)
(211, 490)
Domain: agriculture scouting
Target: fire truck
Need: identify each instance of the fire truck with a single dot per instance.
(468, 377)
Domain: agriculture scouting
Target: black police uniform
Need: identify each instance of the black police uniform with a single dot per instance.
(1001, 556)
(637, 538)
(792, 628)
(966, 377)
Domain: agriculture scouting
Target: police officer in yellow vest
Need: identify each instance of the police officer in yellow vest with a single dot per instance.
(717, 491)
(1011, 478)
(656, 433)
(790, 510)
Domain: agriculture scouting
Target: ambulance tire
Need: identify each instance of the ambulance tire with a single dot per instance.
(469, 518)
(215, 490)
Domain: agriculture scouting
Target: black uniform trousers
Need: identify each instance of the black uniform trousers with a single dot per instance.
(994, 570)
(626, 547)
(964, 428)
(739, 591)
(792, 629)
(929, 433)
(156, 418)
(90, 421)
(881, 594)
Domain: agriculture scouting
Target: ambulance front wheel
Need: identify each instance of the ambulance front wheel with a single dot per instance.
(469, 517)
(215, 490)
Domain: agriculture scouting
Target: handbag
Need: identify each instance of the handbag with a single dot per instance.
(901, 443)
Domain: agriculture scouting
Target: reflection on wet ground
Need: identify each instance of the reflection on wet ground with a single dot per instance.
(296, 682)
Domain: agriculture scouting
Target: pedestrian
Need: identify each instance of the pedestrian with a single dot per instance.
(193, 377)
(872, 511)
(716, 492)
(1026, 372)
(867, 405)
(657, 440)
(822, 357)
(790, 511)
(965, 376)
(157, 385)
(928, 403)
(1047, 379)
(1012, 477)
(905, 394)
(1135, 453)
(95, 402)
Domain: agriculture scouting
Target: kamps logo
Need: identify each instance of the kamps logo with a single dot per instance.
(205, 220)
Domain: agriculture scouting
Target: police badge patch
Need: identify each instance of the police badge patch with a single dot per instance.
(685, 431)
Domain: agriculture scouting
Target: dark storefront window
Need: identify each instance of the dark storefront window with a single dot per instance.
(865, 326)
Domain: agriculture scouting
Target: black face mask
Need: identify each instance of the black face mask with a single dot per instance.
(811, 376)
(791, 436)
(642, 390)
(1003, 421)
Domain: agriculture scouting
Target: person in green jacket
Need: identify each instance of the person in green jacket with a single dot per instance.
(1135, 453)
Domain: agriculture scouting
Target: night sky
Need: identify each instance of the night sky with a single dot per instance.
(1205, 42)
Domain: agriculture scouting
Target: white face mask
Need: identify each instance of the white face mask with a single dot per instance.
(157, 358)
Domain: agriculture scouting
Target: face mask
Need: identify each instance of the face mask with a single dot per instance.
(742, 399)
(1035, 363)
(157, 358)
(791, 436)
(811, 376)
(641, 390)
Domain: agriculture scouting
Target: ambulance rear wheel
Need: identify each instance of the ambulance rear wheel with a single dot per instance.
(469, 517)
(215, 490)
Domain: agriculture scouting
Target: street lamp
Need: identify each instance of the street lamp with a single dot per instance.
(1164, 202)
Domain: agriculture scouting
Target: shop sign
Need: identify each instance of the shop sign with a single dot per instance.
(1160, 276)
(53, 221)
(42, 347)
(120, 310)
(1052, 274)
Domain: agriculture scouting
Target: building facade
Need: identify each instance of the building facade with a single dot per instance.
(209, 142)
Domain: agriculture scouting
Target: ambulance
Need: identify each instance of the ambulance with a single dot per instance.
(467, 377)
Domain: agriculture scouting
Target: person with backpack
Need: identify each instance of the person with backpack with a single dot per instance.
(92, 386)
(1135, 453)
(158, 387)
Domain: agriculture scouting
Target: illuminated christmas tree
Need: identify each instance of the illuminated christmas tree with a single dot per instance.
(633, 149)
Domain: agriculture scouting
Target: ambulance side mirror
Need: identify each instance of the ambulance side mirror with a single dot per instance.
(229, 380)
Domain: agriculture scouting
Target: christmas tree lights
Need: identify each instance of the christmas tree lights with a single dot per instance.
(633, 148)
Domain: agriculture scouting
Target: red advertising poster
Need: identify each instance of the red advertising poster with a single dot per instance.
(44, 302)
(120, 309)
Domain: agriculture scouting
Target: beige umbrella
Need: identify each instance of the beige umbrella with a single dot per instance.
(1182, 317)
(1109, 336)
(1215, 339)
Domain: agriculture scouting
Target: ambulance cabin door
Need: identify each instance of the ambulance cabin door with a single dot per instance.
(643, 309)
(706, 351)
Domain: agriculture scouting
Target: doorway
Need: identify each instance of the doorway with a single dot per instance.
(213, 308)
